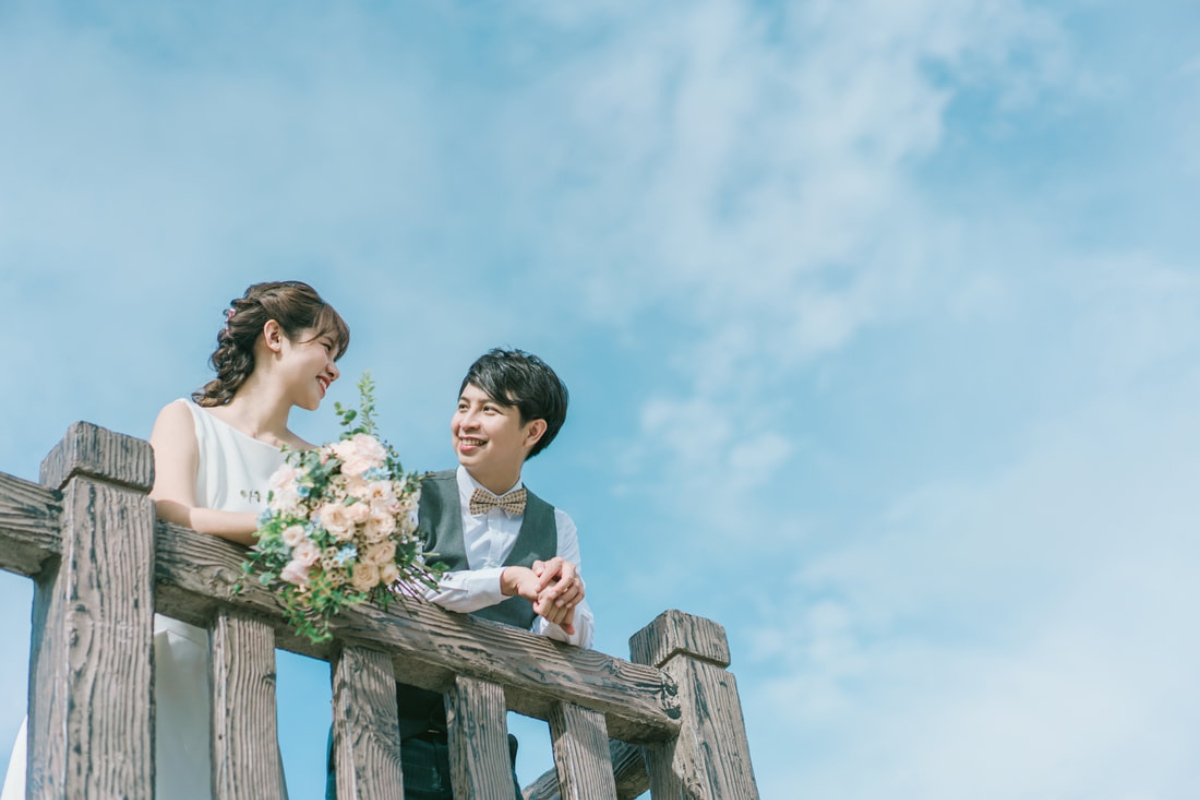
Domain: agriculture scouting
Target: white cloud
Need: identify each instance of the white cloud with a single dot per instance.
(1025, 635)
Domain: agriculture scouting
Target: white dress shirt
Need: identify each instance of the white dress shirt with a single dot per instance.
(488, 539)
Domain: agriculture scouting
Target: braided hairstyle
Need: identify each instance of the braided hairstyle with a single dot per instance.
(295, 305)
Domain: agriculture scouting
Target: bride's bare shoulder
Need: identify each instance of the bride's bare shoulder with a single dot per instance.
(173, 421)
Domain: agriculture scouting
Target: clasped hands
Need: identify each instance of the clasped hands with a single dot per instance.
(553, 587)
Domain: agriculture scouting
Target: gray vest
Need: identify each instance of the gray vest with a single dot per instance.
(440, 517)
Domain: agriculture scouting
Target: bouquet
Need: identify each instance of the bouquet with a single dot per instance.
(340, 526)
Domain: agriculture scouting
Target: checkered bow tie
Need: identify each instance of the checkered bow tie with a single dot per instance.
(483, 501)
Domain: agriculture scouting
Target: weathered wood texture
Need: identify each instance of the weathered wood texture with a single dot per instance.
(88, 449)
(90, 706)
(90, 543)
(197, 573)
(479, 763)
(245, 750)
(674, 632)
(581, 754)
(710, 759)
(366, 734)
(28, 524)
(628, 768)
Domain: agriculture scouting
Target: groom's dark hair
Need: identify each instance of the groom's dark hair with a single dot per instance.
(518, 379)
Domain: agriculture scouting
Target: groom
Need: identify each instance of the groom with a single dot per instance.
(511, 557)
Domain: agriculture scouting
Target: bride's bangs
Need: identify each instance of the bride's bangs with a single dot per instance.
(329, 322)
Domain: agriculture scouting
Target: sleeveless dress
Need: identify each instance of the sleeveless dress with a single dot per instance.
(230, 462)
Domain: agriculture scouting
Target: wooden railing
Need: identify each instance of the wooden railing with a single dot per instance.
(668, 720)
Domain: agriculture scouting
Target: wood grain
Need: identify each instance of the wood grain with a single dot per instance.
(674, 632)
(429, 646)
(29, 518)
(245, 748)
(710, 759)
(88, 449)
(90, 707)
(628, 768)
(479, 764)
(581, 754)
(366, 734)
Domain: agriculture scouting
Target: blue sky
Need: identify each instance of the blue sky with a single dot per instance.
(880, 319)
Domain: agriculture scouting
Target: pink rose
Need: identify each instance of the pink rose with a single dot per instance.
(295, 572)
(306, 554)
(283, 477)
(360, 453)
(293, 535)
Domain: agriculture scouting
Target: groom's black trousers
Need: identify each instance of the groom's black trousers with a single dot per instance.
(425, 760)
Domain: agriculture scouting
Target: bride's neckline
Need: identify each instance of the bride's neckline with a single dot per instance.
(236, 430)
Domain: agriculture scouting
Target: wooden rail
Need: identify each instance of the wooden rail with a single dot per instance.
(668, 720)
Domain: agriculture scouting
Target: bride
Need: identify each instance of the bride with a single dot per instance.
(213, 456)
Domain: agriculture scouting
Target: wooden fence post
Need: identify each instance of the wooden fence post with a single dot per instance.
(479, 765)
(245, 744)
(91, 715)
(366, 731)
(581, 753)
(710, 759)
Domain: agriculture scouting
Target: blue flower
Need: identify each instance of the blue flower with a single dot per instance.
(347, 553)
(264, 517)
(377, 474)
(304, 491)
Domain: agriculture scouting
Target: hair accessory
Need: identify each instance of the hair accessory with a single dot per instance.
(229, 312)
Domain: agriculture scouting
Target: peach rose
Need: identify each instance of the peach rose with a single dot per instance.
(365, 576)
(382, 553)
(358, 513)
(389, 573)
(380, 524)
(335, 520)
(357, 487)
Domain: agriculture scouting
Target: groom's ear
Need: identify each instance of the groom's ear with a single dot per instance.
(534, 431)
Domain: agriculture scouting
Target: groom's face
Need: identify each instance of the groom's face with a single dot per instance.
(488, 436)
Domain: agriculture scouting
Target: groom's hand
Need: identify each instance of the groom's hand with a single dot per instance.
(521, 582)
(524, 582)
(559, 583)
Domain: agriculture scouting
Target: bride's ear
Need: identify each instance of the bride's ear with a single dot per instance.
(273, 336)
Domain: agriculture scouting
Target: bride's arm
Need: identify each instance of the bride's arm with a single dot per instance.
(176, 461)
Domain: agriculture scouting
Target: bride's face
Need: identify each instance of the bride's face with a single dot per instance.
(306, 365)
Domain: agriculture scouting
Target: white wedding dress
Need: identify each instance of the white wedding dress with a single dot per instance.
(231, 463)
